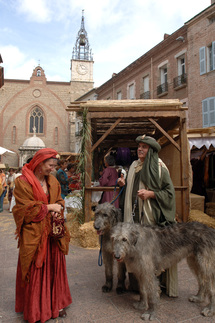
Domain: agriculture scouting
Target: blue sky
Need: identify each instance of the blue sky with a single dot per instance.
(119, 32)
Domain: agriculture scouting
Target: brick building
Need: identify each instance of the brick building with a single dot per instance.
(201, 68)
(1, 73)
(37, 107)
(182, 66)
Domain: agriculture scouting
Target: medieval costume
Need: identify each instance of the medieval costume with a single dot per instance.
(42, 288)
(109, 178)
(153, 175)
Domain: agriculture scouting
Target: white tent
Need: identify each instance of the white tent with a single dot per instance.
(4, 150)
(199, 142)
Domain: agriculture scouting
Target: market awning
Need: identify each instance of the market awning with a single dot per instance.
(200, 142)
(4, 150)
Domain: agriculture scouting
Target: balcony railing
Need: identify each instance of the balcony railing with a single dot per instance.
(180, 80)
(145, 95)
(162, 88)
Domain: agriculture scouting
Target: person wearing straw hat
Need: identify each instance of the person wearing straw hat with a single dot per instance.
(150, 196)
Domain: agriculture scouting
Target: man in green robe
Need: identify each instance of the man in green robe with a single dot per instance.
(150, 197)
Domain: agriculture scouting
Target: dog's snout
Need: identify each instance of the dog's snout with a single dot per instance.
(96, 226)
(117, 255)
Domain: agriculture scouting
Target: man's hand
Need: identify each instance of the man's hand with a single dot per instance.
(144, 194)
(121, 181)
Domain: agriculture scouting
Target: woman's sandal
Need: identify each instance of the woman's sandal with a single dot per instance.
(62, 313)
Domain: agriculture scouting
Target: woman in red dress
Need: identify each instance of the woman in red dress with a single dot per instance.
(42, 290)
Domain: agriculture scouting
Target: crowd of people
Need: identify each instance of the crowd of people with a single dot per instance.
(36, 195)
(7, 184)
(65, 172)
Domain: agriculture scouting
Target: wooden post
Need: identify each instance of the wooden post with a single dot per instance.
(88, 173)
(184, 170)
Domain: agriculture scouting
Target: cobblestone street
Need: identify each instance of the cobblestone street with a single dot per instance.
(85, 279)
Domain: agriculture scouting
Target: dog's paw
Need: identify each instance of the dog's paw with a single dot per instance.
(148, 316)
(195, 299)
(140, 306)
(207, 312)
(120, 290)
(106, 289)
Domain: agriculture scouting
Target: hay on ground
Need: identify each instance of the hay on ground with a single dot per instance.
(88, 236)
(82, 235)
(199, 216)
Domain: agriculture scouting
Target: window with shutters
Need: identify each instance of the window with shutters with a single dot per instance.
(208, 112)
(131, 91)
(119, 95)
(163, 86)
(146, 92)
(207, 58)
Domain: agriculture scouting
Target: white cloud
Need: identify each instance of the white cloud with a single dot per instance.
(16, 64)
(34, 10)
(118, 32)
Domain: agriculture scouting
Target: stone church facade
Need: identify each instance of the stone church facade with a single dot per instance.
(37, 107)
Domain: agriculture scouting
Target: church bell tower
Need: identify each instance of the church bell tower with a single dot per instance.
(82, 59)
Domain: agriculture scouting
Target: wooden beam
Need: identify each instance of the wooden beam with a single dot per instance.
(135, 114)
(185, 200)
(102, 188)
(88, 174)
(123, 105)
(165, 133)
(105, 134)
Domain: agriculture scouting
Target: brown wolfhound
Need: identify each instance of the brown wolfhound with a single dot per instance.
(106, 217)
(147, 251)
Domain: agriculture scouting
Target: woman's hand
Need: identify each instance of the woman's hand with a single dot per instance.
(121, 181)
(55, 214)
(144, 194)
(55, 208)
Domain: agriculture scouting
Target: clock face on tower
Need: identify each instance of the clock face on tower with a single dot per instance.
(82, 68)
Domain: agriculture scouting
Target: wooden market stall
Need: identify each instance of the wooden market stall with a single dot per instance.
(117, 123)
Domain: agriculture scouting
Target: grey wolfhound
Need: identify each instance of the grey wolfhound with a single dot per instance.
(106, 217)
(148, 251)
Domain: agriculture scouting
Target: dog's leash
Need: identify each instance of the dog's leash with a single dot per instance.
(134, 207)
(120, 192)
(100, 251)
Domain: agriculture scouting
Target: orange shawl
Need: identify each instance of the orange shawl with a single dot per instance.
(31, 203)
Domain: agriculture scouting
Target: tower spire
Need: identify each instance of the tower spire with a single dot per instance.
(81, 50)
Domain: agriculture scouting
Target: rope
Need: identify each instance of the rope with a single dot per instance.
(134, 207)
(100, 252)
(114, 199)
